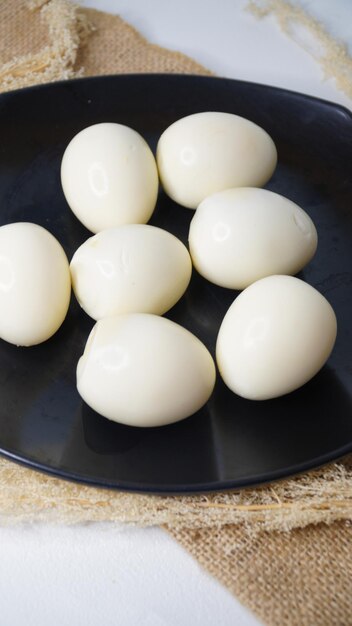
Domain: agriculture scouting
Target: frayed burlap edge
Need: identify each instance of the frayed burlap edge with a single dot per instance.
(312, 36)
(67, 29)
(323, 495)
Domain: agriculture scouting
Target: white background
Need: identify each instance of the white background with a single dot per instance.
(106, 575)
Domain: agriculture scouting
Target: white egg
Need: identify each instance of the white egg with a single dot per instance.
(134, 268)
(35, 284)
(240, 235)
(208, 152)
(109, 177)
(275, 337)
(144, 370)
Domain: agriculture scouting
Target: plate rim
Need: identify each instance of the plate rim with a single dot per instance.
(187, 489)
(176, 76)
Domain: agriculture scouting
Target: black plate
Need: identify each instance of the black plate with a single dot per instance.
(231, 442)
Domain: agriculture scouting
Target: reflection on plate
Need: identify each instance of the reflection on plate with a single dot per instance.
(231, 442)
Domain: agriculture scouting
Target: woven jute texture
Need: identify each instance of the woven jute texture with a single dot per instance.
(283, 549)
(302, 578)
(42, 41)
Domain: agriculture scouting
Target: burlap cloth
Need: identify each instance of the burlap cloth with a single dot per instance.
(283, 550)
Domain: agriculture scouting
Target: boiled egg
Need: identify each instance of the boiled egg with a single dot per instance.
(240, 235)
(204, 153)
(35, 284)
(134, 268)
(109, 177)
(275, 337)
(144, 370)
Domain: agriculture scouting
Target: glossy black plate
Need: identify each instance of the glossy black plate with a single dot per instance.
(231, 442)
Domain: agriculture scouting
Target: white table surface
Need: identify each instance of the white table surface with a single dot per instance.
(105, 575)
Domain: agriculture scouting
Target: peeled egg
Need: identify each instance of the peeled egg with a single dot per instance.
(144, 370)
(109, 177)
(35, 284)
(204, 153)
(135, 268)
(240, 235)
(275, 337)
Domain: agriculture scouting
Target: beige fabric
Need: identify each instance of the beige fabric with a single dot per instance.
(297, 578)
(302, 578)
(39, 46)
(117, 48)
(42, 41)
